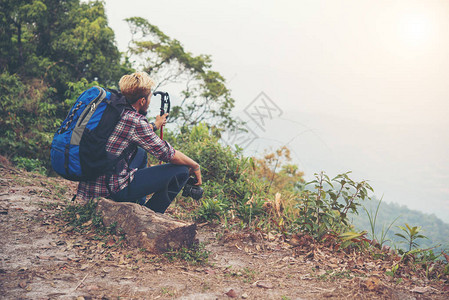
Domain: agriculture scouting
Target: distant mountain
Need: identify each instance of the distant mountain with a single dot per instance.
(433, 228)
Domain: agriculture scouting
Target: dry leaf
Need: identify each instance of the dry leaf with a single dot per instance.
(372, 283)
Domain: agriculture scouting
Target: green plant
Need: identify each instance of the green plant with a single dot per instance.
(324, 208)
(352, 238)
(427, 260)
(210, 209)
(373, 222)
(30, 164)
(246, 274)
(83, 218)
(196, 254)
(331, 275)
(411, 234)
(204, 97)
(250, 209)
(168, 291)
(446, 269)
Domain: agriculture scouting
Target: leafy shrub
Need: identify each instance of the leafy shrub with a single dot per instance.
(27, 118)
(324, 208)
(30, 164)
(210, 209)
(410, 235)
(196, 254)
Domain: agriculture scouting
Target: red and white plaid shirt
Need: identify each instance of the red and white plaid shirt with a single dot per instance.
(133, 128)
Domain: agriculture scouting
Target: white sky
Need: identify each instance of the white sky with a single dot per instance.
(368, 79)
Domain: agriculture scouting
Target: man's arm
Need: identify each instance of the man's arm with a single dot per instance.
(181, 159)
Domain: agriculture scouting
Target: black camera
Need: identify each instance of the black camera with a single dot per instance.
(192, 190)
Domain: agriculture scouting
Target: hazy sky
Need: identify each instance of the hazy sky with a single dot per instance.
(362, 85)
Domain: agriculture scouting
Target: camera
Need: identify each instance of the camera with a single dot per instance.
(192, 190)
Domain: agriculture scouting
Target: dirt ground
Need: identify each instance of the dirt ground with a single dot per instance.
(41, 260)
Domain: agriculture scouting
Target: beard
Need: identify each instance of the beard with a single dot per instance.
(143, 112)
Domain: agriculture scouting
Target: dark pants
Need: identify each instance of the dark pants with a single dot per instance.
(165, 181)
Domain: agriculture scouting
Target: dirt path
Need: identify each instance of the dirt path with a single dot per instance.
(40, 260)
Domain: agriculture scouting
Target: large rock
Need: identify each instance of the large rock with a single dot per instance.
(143, 228)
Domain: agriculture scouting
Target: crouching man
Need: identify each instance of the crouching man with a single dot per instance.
(132, 180)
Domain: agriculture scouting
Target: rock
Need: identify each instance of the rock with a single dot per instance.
(143, 228)
(265, 284)
(232, 294)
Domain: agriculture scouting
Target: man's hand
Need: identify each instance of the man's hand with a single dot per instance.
(194, 168)
(161, 120)
(197, 173)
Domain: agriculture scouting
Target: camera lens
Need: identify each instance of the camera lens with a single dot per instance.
(191, 190)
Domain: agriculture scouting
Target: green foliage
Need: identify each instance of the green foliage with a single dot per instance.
(331, 275)
(427, 260)
(195, 254)
(224, 172)
(27, 118)
(351, 238)
(249, 210)
(79, 216)
(83, 218)
(30, 164)
(58, 42)
(204, 98)
(49, 49)
(410, 235)
(229, 184)
(436, 231)
(210, 209)
(380, 241)
(324, 209)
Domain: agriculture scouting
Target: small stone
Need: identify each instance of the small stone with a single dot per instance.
(92, 288)
(245, 296)
(265, 284)
(231, 294)
(22, 284)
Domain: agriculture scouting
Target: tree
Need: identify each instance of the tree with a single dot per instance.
(204, 95)
(17, 19)
(58, 41)
(49, 49)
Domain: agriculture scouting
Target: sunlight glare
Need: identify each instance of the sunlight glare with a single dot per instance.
(415, 29)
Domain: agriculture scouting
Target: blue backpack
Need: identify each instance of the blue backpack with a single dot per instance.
(78, 149)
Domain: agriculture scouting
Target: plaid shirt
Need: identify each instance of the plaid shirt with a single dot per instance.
(133, 128)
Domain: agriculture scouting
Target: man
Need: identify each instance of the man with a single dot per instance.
(133, 180)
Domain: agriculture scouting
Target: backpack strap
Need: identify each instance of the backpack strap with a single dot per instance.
(85, 117)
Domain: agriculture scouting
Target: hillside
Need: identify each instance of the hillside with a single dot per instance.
(436, 231)
(44, 258)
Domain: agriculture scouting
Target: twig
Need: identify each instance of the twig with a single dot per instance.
(190, 274)
(318, 289)
(81, 282)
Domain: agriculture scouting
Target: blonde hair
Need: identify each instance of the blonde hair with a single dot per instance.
(136, 86)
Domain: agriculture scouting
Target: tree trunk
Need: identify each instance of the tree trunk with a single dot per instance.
(143, 228)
